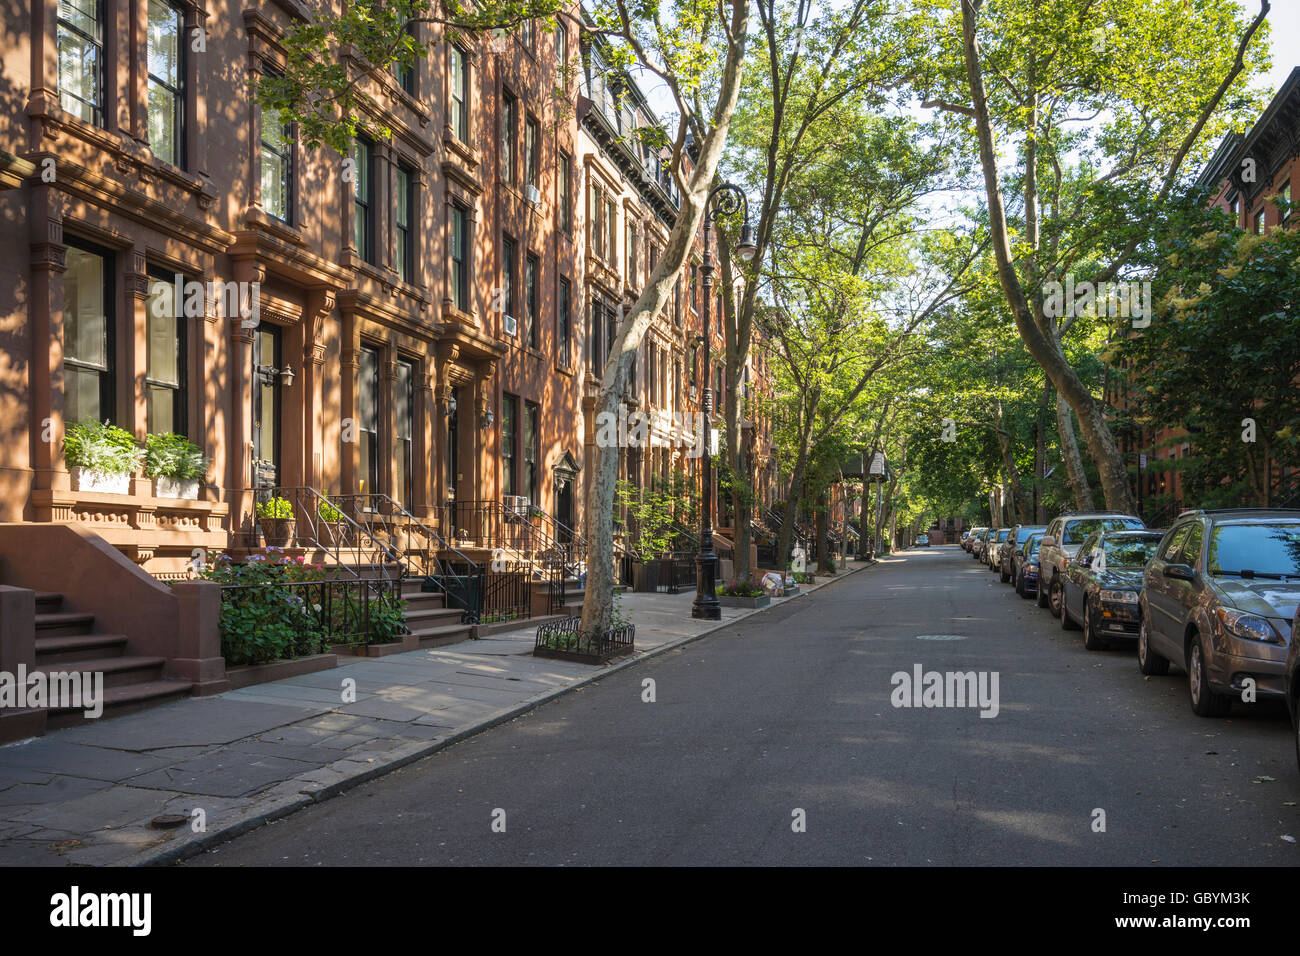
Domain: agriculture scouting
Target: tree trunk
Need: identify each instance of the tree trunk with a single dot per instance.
(1040, 454)
(1073, 460)
(1044, 349)
(824, 562)
(598, 605)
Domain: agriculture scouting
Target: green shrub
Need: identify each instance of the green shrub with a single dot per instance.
(173, 456)
(99, 446)
(327, 512)
(275, 508)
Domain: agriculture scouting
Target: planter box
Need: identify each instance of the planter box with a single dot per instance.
(186, 488)
(250, 674)
(753, 603)
(89, 479)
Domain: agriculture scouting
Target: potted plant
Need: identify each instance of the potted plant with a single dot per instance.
(101, 457)
(327, 512)
(176, 465)
(276, 517)
(535, 515)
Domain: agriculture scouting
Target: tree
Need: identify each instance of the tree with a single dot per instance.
(1134, 87)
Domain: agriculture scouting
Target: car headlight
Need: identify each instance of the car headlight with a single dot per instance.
(1250, 626)
(1119, 597)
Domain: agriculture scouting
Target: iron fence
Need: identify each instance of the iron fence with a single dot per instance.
(566, 639)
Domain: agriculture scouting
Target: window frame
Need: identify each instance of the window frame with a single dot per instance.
(98, 111)
(177, 93)
(509, 436)
(563, 321)
(459, 99)
(460, 252)
(363, 210)
(404, 253)
(509, 145)
(532, 270)
(180, 389)
(509, 255)
(107, 373)
(566, 193)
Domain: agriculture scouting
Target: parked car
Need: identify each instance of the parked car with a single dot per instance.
(1061, 542)
(995, 543)
(1291, 681)
(979, 537)
(1220, 597)
(1025, 566)
(965, 535)
(922, 540)
(1100, 588)
(1015, 541)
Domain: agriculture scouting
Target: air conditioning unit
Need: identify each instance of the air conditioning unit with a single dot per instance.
(533, 194)
(516, 504)
(511, 326)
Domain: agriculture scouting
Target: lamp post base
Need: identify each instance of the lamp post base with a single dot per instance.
(706, 606)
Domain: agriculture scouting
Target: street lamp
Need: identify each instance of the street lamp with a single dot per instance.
(724, 200)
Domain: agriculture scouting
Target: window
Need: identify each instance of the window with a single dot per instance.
(562, 321)
(362, 191)
(459, 257)
(598, 231)
(611, 218)
(404, 413)
(650, 367)
(631, 252)
(459, 95)
(87, 335)
(405, 72)
(508, 276)
(1259, 222)
(404, 217)
(165, 371)
(368, 420)
(166, 53)
(527, 35)
(532, 450)
(532, 137)
(530, 296)
(566, 194)
(277, 168)
(1191, 553)
(561, 56)
(695, 298)
(508, 107)
(80, 33)
(509, 429)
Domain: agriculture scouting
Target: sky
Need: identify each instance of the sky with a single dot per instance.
(1284, 21)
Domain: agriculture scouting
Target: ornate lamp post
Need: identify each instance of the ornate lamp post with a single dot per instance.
(724, 200)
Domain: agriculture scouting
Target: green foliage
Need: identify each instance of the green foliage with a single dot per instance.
(1222, 348)
(99, 446)
(740, 589)
(275, 508)
(173, 456)
(327, 512)
(652, 514)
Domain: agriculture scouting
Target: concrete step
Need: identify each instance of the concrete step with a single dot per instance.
(63, 623)
(48, 602)
(123, 700)
(442, 634)
(117, 671)
(417, 601)
(432, 617)
(78, 647)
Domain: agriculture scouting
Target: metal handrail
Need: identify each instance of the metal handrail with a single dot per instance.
(408, 519)
(295, 495)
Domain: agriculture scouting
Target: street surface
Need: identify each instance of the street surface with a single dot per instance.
(791, 710)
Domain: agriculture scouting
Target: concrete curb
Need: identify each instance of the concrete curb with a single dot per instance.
(202, 843)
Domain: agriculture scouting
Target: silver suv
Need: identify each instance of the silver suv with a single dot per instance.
(1061, 542)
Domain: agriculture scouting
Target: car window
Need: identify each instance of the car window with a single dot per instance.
(1002, 533)
(1032, 545)
(1022, 535)
(1191, 552)
(1270, 549)
(1129, 552)
(1176, 539)
(1076, 531)
(1089, 543)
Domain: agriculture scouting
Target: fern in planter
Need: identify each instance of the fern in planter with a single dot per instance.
(99, 446)
(173, 456)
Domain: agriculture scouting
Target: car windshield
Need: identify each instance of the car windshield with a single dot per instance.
(1031, 547)
(1129, 552)
(1267, 550)
(1002, 534)
(1023, 534)
(1075, 531)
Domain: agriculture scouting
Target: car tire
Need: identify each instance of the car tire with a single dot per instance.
(1206, 701)
(1020, 584)
(1004, 575)
(1090, 639)
(1067, 622)
(1041, 597)
(1149, 662)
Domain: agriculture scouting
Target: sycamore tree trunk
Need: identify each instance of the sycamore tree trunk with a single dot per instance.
(598, 605)
(1042, 346)
(824, 562)
(1073, 460)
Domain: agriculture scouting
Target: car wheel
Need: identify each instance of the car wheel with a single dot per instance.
(1067, 622)
(1020, 584)
(1041, 597)
(1054, 602)
(1090, 639)
(1004, 575)
(1206, 702)
(1149, 662)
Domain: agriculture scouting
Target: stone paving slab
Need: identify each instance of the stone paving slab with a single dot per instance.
(85, 796)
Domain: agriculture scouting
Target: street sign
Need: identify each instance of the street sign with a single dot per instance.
(1142, 462)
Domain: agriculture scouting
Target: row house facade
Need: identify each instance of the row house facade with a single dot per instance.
(432, 310)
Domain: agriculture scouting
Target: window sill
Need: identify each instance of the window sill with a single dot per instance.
(256, 217)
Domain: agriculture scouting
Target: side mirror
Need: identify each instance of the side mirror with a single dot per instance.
(1181, 572)
(1087, 561)
(1047, 540)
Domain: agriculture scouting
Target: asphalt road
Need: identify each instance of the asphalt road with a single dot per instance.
(791, 710)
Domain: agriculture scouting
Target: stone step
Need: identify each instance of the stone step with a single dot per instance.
(442, 634)
(123, 700)
(63, 623)
(48, 602)
(117, 671)
(71, 648)
(432, 617)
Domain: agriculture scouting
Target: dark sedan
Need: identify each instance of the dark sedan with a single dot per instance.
(1100, 588)
(1015, 541)
(1291, 681)
(1024, 566)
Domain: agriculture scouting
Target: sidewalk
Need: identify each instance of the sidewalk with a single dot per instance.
(87, 795)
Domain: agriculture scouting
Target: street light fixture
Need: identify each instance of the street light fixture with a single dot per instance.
(725, 199)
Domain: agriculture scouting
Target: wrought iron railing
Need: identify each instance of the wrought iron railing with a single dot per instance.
(567, 639)
(423, 552)
(321, 525)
